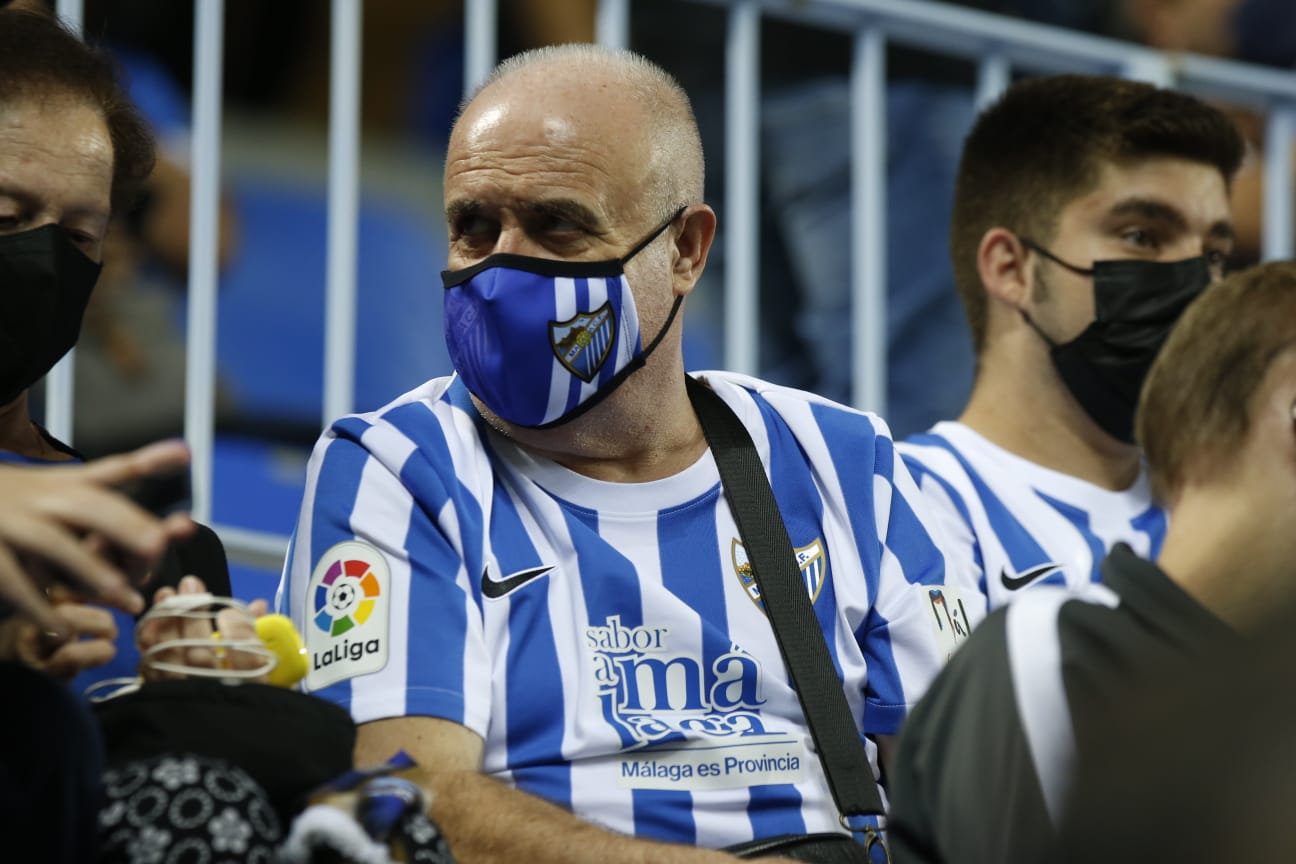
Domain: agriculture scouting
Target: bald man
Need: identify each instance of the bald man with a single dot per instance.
(527, 575)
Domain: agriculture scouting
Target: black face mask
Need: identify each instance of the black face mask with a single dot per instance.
(1136, 304)
(45, 283)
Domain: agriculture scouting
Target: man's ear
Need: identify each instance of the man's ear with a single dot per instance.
(1003, 266)
(692, 245)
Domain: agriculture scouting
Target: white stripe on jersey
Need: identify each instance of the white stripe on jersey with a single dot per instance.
(1035, 658)
(1020, 516)
(1035, 661)
(381, 511)
(559, 377)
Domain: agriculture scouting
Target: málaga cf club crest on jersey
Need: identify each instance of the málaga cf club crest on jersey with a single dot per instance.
(811, 560)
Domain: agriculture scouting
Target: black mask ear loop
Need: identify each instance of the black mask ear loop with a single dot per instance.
(1079, 271)
(638, 362)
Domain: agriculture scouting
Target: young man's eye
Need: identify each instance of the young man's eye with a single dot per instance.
(1139, 237)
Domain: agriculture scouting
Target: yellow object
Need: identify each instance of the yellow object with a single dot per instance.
(279, 635)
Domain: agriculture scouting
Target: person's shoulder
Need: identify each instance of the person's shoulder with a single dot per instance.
(437, 417)
(945, 449)
(744, 392)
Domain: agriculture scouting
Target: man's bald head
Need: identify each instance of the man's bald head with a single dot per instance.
(649, 103)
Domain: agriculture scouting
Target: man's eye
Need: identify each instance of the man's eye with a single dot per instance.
(9, 223)
(559, 225)
(1139, 237)
(471, 226)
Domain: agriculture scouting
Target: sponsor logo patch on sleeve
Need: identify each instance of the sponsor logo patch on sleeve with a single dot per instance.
(948, 616)
(347, 608)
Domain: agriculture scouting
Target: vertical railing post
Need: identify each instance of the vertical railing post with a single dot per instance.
(60, 383)
(204, 239)
(480, 40)
(868, 221)
(343, 210)
(994, 74)
(1278, 222)
(612, 23)
(742, 185)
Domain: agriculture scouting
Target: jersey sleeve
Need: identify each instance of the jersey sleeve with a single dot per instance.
(372, 564)
(924, 603)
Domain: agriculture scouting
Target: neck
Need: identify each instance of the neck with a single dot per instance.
(1025, 408)
(644, 431)
(18, 434)
(1226, 553)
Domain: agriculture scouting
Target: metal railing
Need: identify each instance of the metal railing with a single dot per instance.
(1000, 47)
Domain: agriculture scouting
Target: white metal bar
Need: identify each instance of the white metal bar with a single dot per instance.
(1151, 67)
(60, 383)
(343, 210)
(742, 185)
(480, 25)
(72, 13)
(1278, 222)
(255, 548)
(994, 74)
(204, 229)
(971, 33)
(868, 221)
(612, 23)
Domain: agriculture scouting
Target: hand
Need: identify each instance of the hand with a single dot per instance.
(232, 624)
(69, 520)
(91, 642)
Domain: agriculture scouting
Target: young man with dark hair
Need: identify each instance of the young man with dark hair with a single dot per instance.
(989, 757)
(1089, 212)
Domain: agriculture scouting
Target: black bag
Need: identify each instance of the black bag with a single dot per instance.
(288, 742)
(826, 848)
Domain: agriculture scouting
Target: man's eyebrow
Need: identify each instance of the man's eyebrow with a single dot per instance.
(1222, 230)
(566, 209)
(17, 193)
(1151, 210)
(457, 210)
(28, 199)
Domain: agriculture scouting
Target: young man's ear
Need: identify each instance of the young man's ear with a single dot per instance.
(1002, 263)
(692, 245)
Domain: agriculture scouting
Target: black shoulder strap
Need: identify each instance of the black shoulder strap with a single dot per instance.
(787, 604)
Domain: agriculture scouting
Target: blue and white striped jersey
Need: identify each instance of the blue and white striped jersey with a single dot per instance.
(604, 639)
(1023, 524)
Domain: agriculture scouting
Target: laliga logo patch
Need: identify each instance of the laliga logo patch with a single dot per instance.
(582, 343)
(811, 559)
(349, 594)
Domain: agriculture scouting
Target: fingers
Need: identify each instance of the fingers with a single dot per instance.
(103, 511)
(235, 624)
(91, 644)
(72, 658)
(23, 595)
(68, 554)
(115, 470)
(166, 628)
(196, 627)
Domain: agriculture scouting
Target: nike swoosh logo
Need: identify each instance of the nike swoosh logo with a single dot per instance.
(494, 589)
(1021, 580)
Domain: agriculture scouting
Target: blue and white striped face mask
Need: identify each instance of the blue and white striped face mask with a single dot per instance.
(541, 341)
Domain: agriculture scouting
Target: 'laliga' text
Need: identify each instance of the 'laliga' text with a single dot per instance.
(344, 650)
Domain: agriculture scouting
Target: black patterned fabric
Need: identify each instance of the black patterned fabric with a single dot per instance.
(186, 809)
